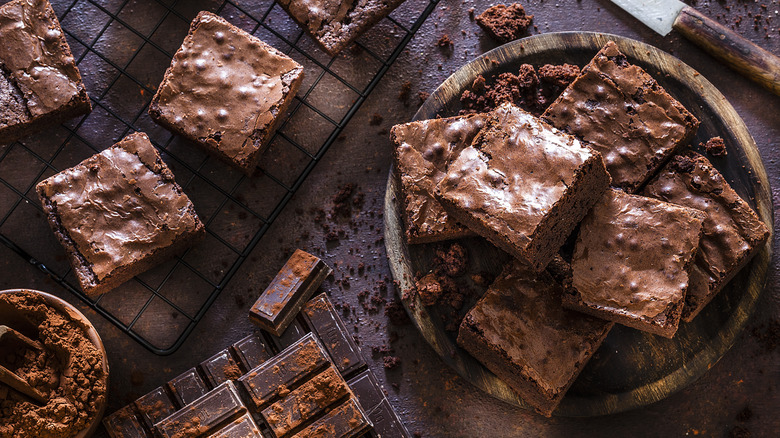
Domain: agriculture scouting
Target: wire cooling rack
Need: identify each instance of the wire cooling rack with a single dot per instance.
(122, 48)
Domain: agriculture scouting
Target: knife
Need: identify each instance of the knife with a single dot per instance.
(737, 52)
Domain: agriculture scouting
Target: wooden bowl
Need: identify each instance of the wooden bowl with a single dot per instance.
(631, 368)
(11, 317)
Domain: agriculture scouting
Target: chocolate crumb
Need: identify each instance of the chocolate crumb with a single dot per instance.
(505, 23)
(715, 147)
(405, 91)
(391, 362)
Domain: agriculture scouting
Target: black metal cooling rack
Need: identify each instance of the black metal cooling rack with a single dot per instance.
(122, 48)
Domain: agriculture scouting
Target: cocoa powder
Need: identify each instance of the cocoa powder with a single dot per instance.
(68, 372)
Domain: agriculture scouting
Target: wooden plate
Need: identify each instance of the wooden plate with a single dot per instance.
(11, 317)
(631, 368)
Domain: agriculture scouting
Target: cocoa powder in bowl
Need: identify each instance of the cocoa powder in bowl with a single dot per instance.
(68, 371)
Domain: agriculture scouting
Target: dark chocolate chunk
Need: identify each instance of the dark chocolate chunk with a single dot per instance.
(187, 387)
(386, 422)
(275, 376)
(291, 335)
(214, 409)
(124, 423)
(294, 284)
(367, 390)
(305, 402)
(344, 421)
(323, 319)
(154, 406)
(251, 352)
(220, 368)
(243, 427)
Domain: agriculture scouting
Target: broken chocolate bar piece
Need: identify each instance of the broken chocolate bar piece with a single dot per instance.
(251, 352)
(386, 421)
(345, 421)
(291, 335)
(205, 415)
(367, 390)
(187, 387)
(322, 318)
(266, 382)
(294, 284)
(220, 368)
(155, 406)
(306, 402)
(243, 427)
(124, 423)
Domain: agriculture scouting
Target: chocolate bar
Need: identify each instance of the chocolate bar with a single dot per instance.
(367, 390)
(251, 352)
(220, 405)
(386, 422)
(321, 316)
(243, 427)
(305, 402)
(187, 387)
(124, 423)
(293, 285)
(291, 334)
(345, 421)
(154, 406)
(220, 368)
(286, 369)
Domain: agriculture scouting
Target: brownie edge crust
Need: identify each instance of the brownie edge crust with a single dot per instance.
(118, 214)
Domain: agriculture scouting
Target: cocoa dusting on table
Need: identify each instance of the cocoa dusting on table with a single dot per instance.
(715, 147)
(73, 400)
(505, 23)
(530, 90)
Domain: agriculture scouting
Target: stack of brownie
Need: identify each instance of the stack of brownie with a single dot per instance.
(656, 231)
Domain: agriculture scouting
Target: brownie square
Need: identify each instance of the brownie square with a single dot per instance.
(118, 213)
(624, 114)
(632, 259)
(226, 91)
(523, 185)
(336, 24)
(423, 150)
(39, 81)
(732, 232)
(520, 332)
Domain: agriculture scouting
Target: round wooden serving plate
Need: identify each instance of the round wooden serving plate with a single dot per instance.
(9, 316)
(631, 368)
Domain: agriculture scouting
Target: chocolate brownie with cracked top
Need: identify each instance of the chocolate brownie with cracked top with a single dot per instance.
(335, 24)
(39, 81)
(226, 90)
(423, 149)
(547, 346)
(523, 185)
(625, 114)
(632, 261)
(732, 234)
(118, 214)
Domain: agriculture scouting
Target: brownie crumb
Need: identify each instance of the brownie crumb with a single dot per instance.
(429, 289)
(444, 42)
(391, 362)
(405, 91)
(341, 200)
(395, 312)
(529, 90)
(715, 147)
(505, 23)
(452, 260)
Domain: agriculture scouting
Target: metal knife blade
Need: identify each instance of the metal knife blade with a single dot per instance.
(658, 15)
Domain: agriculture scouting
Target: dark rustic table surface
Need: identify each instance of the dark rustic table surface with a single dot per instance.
(738, 396)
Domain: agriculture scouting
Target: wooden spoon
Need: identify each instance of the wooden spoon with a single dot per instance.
(7, 333)
(11, 379)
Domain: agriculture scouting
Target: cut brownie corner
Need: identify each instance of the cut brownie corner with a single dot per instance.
(128, 214)
(226, 111)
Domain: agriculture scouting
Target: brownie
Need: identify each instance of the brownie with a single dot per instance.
(523, 185)
(505, 23)
(732, 232)
(118, 213)
(547, 346)
(226, 91)
(715, 147)
(39, 81)
(624, 114)
(334, 24)
(632, 260)
(423, 150)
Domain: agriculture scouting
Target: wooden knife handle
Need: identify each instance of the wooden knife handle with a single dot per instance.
(738, 53)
